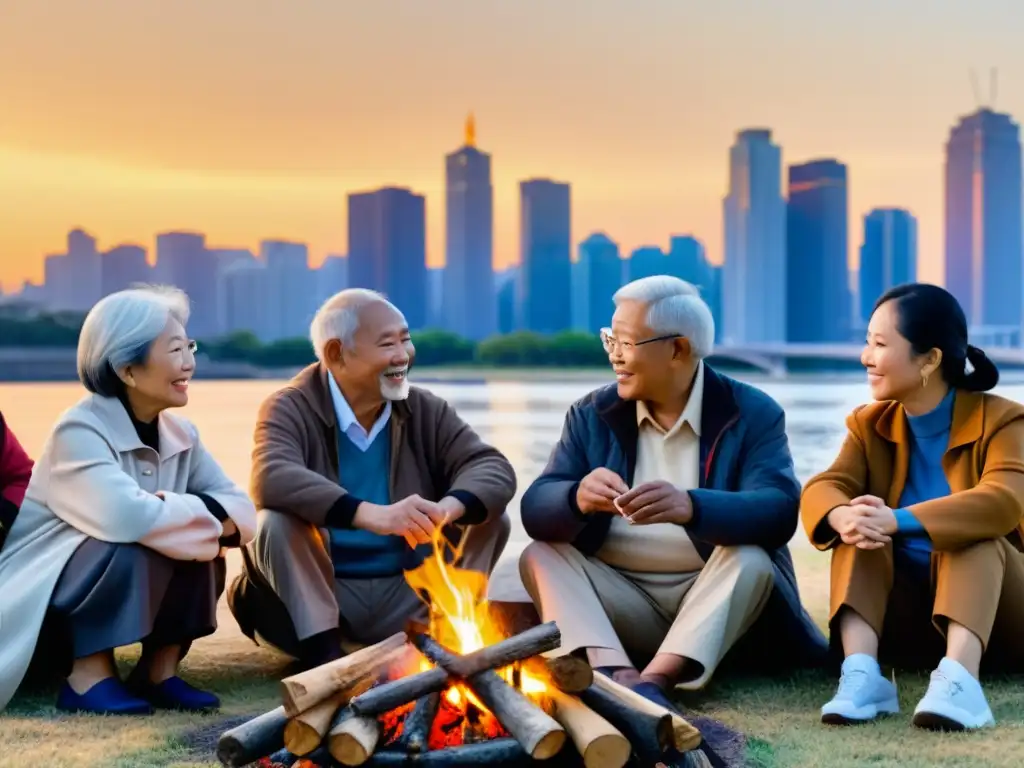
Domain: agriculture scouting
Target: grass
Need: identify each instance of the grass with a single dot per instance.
(779, 717)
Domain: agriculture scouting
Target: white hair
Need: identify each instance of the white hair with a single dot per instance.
(120, 329)
(673, 306)
(338, 317)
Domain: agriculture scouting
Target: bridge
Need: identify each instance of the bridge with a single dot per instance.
(773, 358)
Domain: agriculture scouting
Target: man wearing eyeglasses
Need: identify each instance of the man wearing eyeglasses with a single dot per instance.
(662, 518)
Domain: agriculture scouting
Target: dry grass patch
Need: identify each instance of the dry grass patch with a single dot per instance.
(780, 718)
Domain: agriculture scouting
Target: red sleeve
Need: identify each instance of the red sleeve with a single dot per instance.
(15, 466)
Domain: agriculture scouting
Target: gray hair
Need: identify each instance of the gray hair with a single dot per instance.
(338, 317)
(119, 331)
(673, 306)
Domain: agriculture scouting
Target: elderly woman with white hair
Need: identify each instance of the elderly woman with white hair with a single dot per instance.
(120, 536)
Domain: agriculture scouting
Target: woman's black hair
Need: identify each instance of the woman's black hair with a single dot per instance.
(930, 317)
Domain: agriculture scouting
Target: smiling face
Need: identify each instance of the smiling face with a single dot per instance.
(895, 371)
(377, 362)
(162, 380)
(646, 364)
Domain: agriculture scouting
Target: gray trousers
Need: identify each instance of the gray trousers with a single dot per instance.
(287, 591)
(113, 595)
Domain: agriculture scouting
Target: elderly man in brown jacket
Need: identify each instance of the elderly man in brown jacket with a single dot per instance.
(353, 472)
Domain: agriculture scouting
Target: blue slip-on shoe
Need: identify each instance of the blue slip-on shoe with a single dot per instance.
(175, 693)
(107, 697)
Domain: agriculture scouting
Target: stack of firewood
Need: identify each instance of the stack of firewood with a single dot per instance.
(331, 714)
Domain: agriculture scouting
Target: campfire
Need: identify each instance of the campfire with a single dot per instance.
(460, 691)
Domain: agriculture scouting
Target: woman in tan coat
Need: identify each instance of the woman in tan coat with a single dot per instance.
(120, 535)
(922, 511)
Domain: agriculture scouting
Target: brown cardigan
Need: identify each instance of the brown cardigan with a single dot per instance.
(984, 466)
(433, 453)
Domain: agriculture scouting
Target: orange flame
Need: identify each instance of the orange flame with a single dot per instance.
(461, 619)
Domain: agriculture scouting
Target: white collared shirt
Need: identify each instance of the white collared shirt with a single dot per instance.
(672, 455)
(348, 423)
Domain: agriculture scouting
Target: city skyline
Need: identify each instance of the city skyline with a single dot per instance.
(183, 121)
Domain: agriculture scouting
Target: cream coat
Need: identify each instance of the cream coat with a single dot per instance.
(95, 478)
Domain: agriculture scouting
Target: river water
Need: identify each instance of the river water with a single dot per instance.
(522, 418)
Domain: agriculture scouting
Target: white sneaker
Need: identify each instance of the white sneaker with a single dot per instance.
(954, 701)
(863, 694)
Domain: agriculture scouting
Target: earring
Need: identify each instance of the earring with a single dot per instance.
(924, 380)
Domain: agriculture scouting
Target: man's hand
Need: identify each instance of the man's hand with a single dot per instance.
(598, 490)
(656, 502)
(866, 522)
(414, 518)
(452, 508)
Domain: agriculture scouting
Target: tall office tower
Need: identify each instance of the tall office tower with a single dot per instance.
(688, 260)
(121, 267)
(469, 302)
(227, 260)
(645, 261)
(596, 276)
(246, 291)
(331, 277)
(545, 236)
(983, 219)
(754, 272)
(387, 248)
(818, 309)
(505, 286)
(183, 260)
(888, 256)
(292, 285)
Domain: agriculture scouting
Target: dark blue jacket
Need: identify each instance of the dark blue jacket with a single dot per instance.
(748, 494)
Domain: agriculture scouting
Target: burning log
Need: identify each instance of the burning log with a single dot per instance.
(394, 694)
(307, 689)
(599, 743)
(569, 673)
(497, 752)
(683, 735)
(532, 642)
(353, 738)
(416, 730)
(306, 731)
(536, 731)
(256, 738)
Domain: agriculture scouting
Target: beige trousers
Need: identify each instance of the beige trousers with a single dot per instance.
(618, 614)
(294, 558)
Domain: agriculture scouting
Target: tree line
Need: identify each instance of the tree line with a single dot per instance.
(433, 347)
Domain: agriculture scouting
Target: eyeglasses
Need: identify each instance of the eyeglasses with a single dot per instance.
(612, 344)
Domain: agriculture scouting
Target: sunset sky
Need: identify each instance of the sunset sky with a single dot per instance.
(254, 118)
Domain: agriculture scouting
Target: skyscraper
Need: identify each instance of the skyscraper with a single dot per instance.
(888, 255)
(182, 260)
(387, 249)
(293, 286)
(818, 307)
(688, 260)
(470, 308)
(596, 276)
(545, 235)
(983, 218)
(645, 261)
(121, 267)
(754, 273)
